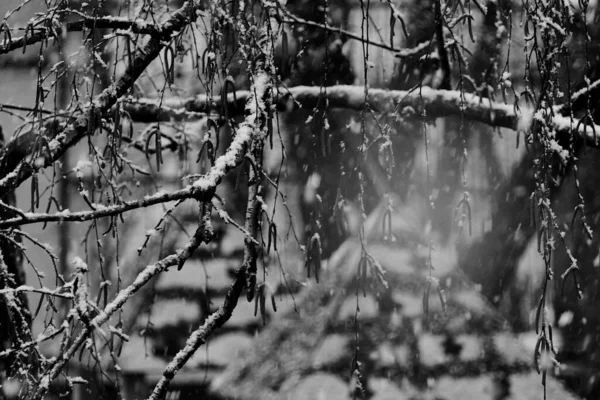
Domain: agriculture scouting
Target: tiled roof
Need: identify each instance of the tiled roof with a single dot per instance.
(466, 351)
(306, 349)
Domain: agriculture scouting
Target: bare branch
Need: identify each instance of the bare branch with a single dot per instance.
(104, 211)
(249, 139)
(39, 340)
(434, 103)
(201, 335)
(293, 19)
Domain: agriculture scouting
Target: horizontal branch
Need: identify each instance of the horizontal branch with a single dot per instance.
(42, 337)
(30, 289)
(106, 211)
(424, 101)
(37, 34)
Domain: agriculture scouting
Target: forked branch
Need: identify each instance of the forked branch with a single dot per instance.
(122, 297)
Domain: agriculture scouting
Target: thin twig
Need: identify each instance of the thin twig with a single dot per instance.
(440, 21)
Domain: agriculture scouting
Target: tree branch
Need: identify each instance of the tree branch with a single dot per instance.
(104, 211)
(222, 315)
(443, 54)
(30, 289)
(202, 189)
(249, 139)
(434, 103)
(110, 22)
(580, 97)
(146, 110)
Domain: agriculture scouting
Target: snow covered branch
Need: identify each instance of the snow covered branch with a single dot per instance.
(248, 140)
(424, 101)
(244, 136)
(55, 29)
(145, 110)
(245, 277)
(122, 297)
(580, 97)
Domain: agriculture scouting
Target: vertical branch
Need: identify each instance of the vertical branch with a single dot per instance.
(201, 335)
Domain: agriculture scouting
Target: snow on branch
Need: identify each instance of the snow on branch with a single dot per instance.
(152, 111)
(87, 120)
(30, 289)
(426, 101)
(54, 29)
(414, 52)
